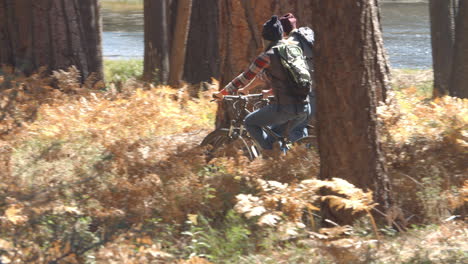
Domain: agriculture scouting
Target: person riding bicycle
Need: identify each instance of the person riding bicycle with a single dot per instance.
(286, 108)
(288, 21)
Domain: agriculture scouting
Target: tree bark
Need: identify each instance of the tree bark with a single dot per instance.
(459, 79)
(442, 40)
(179, 41)
(202, 54)
(52, 33)
(240, 28)
(156, 38)
(350, 71)
(241, 22)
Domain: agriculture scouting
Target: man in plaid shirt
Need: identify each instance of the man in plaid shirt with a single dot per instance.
(287, 107)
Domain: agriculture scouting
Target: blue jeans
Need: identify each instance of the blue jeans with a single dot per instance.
(301, 129)
(274, 115)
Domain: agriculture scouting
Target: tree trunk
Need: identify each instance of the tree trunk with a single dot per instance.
(459, 79)
(240, 28)
(202, 54)
(442, 40)
(241, 22)
(350, 70)
(179, 41)
(156, 38)
(51, 33)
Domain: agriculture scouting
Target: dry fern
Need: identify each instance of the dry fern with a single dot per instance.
(282, 205)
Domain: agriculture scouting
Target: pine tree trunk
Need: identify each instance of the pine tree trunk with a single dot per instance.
(459, 79)
(179, 41)
(240, 28)
(202, 54)
(156, 38)
(241, 22)
(52, 33)
(442, 39)
(350, 70)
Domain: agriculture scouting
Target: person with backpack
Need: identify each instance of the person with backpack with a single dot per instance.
(291, 103)
(304, 36)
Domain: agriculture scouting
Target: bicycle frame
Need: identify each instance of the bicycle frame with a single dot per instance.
(237, 128)
(237, 108)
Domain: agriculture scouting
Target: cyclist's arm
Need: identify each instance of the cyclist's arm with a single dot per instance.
(254, 83)
(260, 63)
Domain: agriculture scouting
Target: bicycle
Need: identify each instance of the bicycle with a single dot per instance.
(230, 140)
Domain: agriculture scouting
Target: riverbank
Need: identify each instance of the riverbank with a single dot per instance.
(122, 5)
(121, 70)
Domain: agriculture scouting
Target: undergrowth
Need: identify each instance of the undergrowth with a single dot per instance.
(120, 71)
(93, 175)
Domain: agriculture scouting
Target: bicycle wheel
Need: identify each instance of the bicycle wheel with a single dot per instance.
(222, 145)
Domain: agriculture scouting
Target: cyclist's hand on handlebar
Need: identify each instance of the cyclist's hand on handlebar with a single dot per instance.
(218, 96)
(243, 91)
(266, 93)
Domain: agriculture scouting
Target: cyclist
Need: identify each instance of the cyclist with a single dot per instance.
(288, 21)
(286, 109)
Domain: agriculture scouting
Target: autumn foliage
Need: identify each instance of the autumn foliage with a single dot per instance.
(92, 173)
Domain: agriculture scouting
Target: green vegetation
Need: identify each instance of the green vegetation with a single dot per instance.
(223, 244)
(119, 71)
(421, 80)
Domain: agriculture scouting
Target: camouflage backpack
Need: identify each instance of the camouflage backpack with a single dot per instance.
(296, 66)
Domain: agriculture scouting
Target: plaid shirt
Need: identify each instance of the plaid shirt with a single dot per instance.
(260, 63)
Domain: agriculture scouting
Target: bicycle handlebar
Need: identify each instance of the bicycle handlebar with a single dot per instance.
(239, 96)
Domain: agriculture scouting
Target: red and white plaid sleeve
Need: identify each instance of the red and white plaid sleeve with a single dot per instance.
(260, 63)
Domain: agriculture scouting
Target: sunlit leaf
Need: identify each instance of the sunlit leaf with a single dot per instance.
(14, 214)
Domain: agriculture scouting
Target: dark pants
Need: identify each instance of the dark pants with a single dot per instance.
(274, 116)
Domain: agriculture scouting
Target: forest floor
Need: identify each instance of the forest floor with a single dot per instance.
(117, 176)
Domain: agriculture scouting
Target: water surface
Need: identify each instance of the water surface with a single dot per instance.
(405, 28)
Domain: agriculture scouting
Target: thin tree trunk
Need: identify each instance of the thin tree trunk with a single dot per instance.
(459, 80)
(52, 33)
(90, 11)
(202, 54)
(179, 41)
(156, 38)
(442, 40)
(349, 74)
(382, 89)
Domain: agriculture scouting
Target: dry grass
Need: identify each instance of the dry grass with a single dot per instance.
(114, 176)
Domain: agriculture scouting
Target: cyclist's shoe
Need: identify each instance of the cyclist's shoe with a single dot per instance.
(285, 147)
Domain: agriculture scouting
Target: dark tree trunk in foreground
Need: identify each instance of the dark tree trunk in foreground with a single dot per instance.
(459, 81)
(202, 54)
(157, 34)
(52, 33)
(442, 39)
(350, 71)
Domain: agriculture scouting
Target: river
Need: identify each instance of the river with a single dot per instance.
(405, 28)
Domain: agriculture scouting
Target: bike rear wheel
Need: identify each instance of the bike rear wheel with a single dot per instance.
(223, 145)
